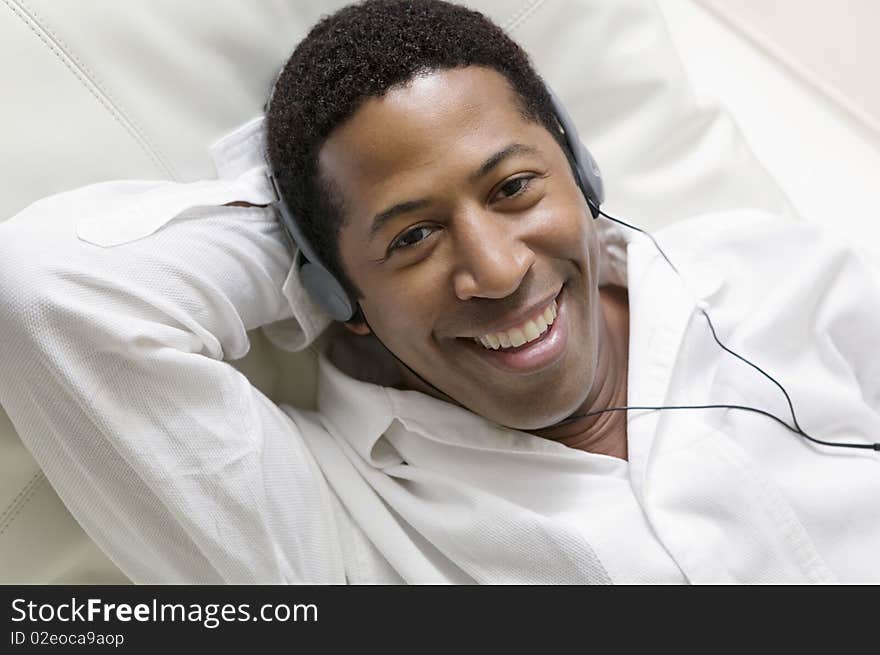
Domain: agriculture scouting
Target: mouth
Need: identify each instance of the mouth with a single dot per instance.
(533, 356)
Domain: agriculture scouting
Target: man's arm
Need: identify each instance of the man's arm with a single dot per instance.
(111, 371)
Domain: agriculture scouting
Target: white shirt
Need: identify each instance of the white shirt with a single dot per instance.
(120, 301)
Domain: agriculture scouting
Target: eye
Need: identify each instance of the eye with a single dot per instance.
(515, 186)
(410, 237)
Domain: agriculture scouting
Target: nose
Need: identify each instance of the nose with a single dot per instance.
(492, 258)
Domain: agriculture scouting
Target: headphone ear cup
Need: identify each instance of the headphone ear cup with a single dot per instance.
(326, 291)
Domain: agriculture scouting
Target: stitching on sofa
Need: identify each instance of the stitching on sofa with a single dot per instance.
(11, 504)
(515, 15)
(35, 483)
(94, 79)
(87, 79)
(521, 15)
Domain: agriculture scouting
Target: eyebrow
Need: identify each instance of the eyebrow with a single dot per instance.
(383, 217)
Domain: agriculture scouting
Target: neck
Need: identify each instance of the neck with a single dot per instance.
(603, 433)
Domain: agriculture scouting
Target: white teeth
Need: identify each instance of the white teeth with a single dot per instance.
(531, 331)
(542, 324)
(515, 337)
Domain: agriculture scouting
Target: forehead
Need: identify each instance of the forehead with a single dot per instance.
(438, 122)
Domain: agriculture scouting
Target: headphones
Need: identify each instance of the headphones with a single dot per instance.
(323, 287)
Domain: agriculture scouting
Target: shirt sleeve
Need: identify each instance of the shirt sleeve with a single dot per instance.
(112, 372)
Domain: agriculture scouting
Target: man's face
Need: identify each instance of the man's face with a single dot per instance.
(483, 228)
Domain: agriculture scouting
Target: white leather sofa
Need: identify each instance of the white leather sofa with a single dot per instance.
(105, 90)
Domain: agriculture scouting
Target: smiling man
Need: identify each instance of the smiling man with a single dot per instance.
(441, 191)
(421, 155)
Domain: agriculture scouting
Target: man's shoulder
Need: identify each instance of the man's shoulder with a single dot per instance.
(730, 224)
(763, 254)
(734, 238)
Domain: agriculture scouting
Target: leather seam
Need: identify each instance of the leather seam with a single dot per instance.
(19, 502)
(522, 15)
(22, 492)
(81, 73)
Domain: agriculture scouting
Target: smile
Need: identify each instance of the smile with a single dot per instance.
(526, 332)
(538, 347)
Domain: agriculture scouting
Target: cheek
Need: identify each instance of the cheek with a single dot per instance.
(565, 232)
(393, 307)
(401, 314)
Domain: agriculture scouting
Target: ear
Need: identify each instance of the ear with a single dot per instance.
(358, 328)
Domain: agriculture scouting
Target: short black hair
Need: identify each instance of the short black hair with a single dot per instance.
(361, 52)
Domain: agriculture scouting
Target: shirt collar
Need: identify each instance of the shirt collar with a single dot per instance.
(240, 150)
(357, 410)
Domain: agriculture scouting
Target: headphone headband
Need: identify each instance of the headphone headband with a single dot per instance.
(586, 170)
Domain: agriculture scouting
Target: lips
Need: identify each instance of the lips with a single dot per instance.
(533, 356)
(519, 319)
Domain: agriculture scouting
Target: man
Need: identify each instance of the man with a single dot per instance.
(417, 146)
(468, 222)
